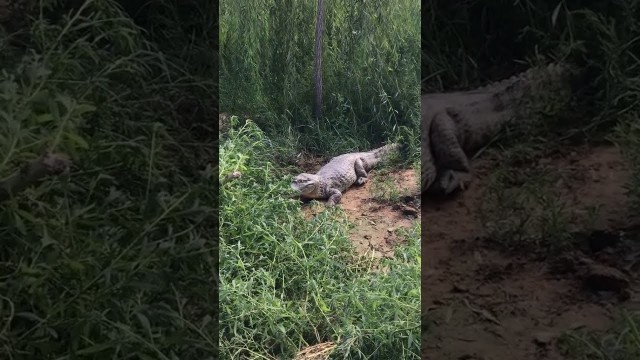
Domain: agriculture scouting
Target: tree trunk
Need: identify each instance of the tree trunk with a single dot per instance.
(317, 108)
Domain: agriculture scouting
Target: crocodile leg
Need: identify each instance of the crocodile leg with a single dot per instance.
(451, 161)
(360, 172)
(428, 169)
(449, 181)
(334, 196)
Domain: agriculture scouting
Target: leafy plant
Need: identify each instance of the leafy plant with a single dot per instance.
(115, 258)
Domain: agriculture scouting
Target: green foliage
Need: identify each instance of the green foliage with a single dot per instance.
(369, 63)
(627, 135)
(116, 258)
(521, 210)
(385, 188)
(621, 343)
(461, 50)
(288, 282)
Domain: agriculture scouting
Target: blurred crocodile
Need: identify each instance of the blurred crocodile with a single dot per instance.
(456, 125)
(339, 174)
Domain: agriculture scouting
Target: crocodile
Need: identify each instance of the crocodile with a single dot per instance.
(340, 173)
(455, 125)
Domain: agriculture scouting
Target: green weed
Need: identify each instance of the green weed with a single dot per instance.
(385, 189)
(619, 343)
(116, 259)
(627, 136)
(521, 211)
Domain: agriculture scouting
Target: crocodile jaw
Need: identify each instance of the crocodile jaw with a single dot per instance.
(307, 185)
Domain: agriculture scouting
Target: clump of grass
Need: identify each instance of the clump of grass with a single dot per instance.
(521, 211)
(619, 343)
(370, 70)
(117, 258)
(287, 282)
(385, 189)
(627, 136)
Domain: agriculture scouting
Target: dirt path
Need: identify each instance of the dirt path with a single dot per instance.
(375, 222)
(481, 303)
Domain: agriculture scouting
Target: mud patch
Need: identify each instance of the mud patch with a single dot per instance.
(482, 303)
(375, 223)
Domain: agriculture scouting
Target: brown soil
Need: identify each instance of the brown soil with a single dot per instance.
(375, 222)
(483, 303)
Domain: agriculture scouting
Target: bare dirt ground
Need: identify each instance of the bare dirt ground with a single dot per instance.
(375, 222)
(482, 303)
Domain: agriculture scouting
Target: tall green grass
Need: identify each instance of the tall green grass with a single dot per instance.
(370, 69)
(470, 43)
(115, 259)
(287, 282)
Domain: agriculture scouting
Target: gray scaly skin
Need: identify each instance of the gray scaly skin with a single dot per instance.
(339, 174)
(455, 125)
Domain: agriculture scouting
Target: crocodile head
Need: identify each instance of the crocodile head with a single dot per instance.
(307, 185)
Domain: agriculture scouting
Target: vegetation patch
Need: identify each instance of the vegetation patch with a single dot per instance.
(369, 64)
(114, 257)
(620, 343)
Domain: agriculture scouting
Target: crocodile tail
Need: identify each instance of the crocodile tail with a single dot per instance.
(536, 80)
(555, 71)
(552, 72)
(382, 152)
